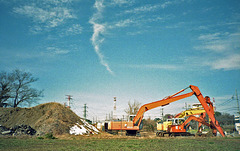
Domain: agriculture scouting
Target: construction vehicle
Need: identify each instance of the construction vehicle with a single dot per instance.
(169, 126)
(133, 127)
(177, 126)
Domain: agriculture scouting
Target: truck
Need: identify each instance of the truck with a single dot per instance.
(132, 127)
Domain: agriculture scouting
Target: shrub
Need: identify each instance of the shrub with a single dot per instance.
(49, 136)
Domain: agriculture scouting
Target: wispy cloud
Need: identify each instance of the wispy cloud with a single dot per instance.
(121, 2)
(207, 37)
(124, 23)
(224, 46)
(75, 29)
(47, 14)
(231, 62)
(146, 8)
(151, 8)
(98, 31)
(56, 51)
(154, 66)
(176, 25)
(219, 42)
(50, 17)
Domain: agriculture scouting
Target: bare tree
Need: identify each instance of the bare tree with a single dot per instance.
(5, 88)
(18, 88)
(132, 108)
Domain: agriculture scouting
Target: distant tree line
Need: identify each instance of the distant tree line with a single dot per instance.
(15, 89)
(224, 118)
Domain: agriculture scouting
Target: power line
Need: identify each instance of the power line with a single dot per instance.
(226, 102)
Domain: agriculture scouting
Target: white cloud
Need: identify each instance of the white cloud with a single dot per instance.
(217, 47)
(151, 8)
(123, 23)
(176, 25)
(99, 5)
(75, 29)
(46, 15)
(121, 2)
(167, 3)
(206, 37)
(36, 29)
(224, 48)
(231, 62)
(56, 51)
(155, 66)
(146, 8)
(219, 42)
(56, 2)
(98, 31)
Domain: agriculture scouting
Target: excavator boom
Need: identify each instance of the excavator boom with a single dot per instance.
(208, 107)
(155, 104)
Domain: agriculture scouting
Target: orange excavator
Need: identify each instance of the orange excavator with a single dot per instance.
(132, 127)
(178, 126)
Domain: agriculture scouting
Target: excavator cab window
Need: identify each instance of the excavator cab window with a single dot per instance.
(177, 121)
(181, 121)
(131, 117)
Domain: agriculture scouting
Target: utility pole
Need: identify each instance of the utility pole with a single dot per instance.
(237, 102)
(111, 115)
(69, 97)
(162, 112)
(187, 106)
(214, 107)
(85, 111)
(114, 108)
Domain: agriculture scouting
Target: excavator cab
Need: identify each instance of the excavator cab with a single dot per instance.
(163, 126)
(177, 121)
(131, 117)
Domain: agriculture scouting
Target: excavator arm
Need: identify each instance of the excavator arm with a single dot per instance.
(163, 102)
(193, 111)
(208, 107)
(198, 119)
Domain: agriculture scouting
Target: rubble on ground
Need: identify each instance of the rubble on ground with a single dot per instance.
(17, 130)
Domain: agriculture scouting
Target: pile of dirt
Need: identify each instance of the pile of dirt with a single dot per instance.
(45, 118)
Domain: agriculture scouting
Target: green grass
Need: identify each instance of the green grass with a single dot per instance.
(165, 144)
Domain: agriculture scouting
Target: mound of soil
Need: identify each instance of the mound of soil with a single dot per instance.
(45, 118)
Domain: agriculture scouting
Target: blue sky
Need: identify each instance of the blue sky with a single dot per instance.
(130, 49)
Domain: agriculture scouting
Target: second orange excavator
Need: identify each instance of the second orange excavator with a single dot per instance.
(177, 126)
